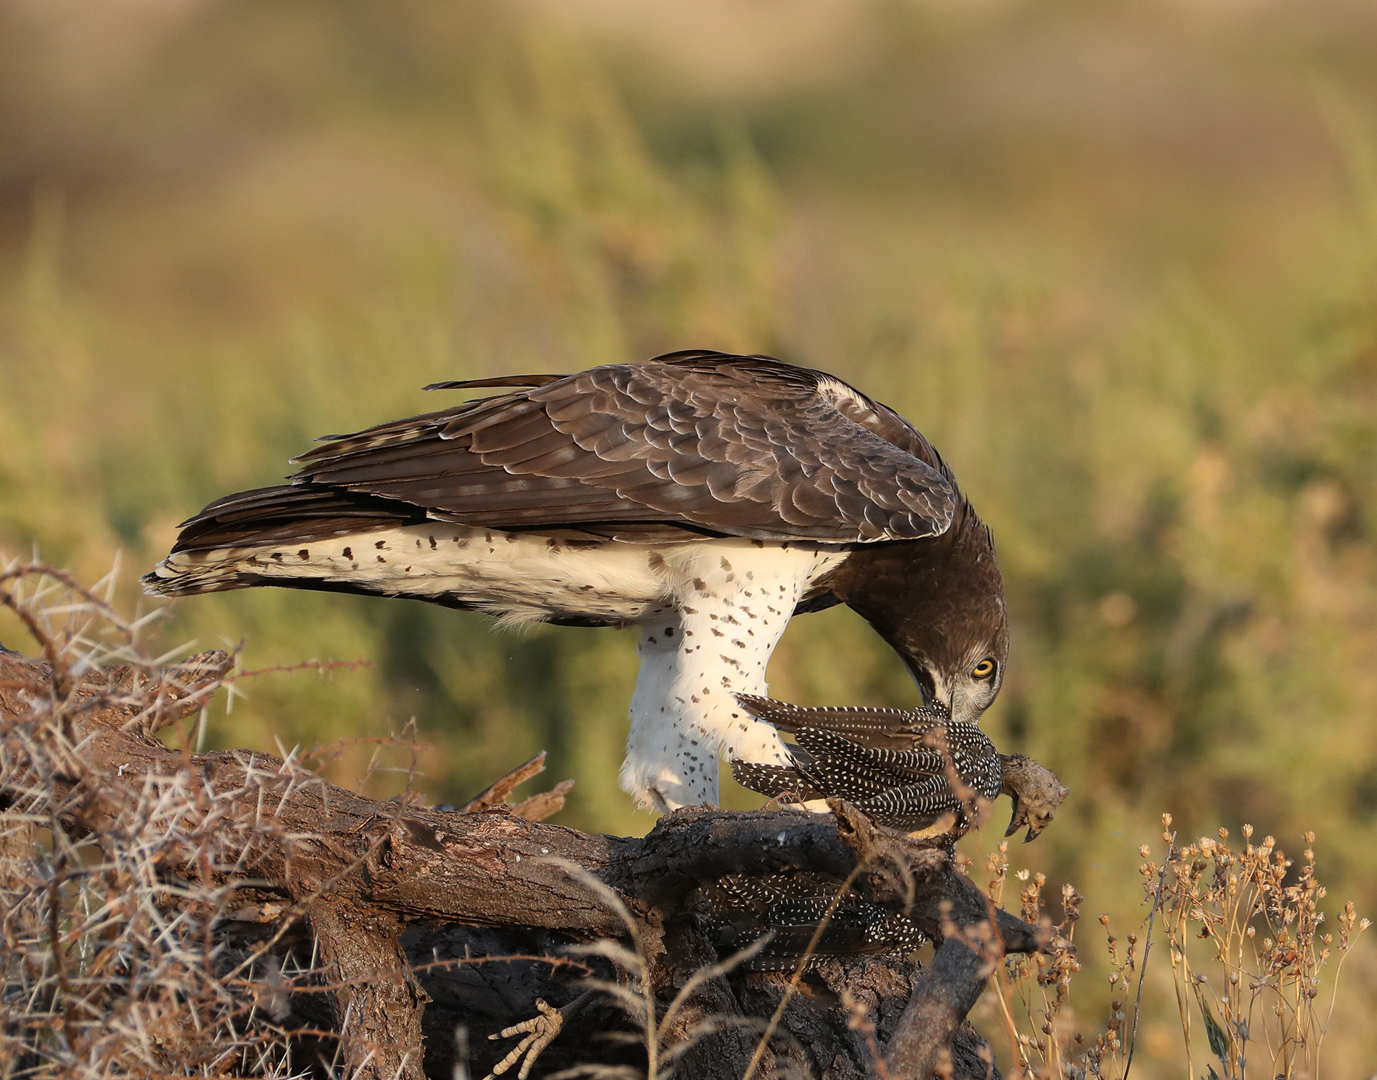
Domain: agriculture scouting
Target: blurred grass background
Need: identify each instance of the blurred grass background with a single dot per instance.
(1118, 261)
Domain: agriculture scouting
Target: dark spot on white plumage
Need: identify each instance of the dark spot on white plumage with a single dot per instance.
(730, 577)
(487, 538)
(277, 556)
(726, 565)
(348, 553)
(690, 611)
(653, 640)
(432, 542)
(304, 554)
(716, 632)
(407, 570)
(381, 559)
(418, 543)
(381, 545)
(669, 631)
(655, 560)
(700, 584)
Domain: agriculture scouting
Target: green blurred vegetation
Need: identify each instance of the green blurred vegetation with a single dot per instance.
(1119, 262)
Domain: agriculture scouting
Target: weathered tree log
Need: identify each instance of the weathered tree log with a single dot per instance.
(404, 900)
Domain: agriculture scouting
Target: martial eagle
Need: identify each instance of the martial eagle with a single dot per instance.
(704, 497)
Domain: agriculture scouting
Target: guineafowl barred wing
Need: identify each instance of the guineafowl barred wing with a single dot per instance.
(727, 445)
(892, 729)
(912, 807)
(840, 764)
(943, 763)
(774, 780)
(739, 910)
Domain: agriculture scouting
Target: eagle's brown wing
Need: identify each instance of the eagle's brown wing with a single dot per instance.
(723, 445)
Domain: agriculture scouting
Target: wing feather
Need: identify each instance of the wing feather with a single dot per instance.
(730, 445)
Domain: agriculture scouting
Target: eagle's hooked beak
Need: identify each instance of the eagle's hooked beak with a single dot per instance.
(930, 688)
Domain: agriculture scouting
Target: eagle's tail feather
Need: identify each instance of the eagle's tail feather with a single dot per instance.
(187, 573)
(271, 536)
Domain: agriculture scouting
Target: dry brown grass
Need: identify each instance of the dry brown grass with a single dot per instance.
(1244, 933)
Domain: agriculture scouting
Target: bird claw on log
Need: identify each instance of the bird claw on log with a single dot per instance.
(539, 1031)
(1036, 793)
(363, 874)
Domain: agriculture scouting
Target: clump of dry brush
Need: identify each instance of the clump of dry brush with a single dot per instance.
(1246, 941)
(109, 966)
(1248, 945)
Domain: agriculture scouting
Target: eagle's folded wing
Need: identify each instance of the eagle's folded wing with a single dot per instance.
(726, 445)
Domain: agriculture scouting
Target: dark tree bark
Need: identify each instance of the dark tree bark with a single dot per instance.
(409, 905)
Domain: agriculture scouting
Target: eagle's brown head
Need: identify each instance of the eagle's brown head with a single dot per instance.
(940, 603)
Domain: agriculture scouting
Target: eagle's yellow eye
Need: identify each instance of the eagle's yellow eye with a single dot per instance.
(984, 669)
